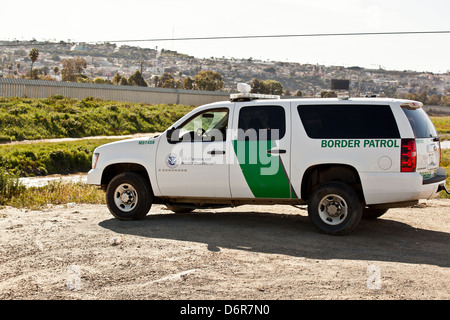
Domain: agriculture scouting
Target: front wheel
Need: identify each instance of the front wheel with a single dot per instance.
(335, 209)
(129, 196)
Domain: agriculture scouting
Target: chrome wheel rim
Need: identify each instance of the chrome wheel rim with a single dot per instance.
(125, 197)
(333, 209)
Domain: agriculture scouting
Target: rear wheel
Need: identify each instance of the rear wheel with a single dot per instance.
(335, 209)
(129, 196)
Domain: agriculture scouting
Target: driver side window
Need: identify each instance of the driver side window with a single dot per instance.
(208, 126)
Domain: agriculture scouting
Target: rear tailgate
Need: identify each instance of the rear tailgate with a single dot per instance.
(427, 142)
(428, 153)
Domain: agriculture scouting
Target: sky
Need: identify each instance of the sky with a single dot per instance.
(107, 21)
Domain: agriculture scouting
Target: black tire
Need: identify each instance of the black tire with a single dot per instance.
(129, 196)
(369, 213)
(178, 209)
(335, 208)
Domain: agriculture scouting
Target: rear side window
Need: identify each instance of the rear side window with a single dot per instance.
(262, 123)
(348, 121)
(420, 123)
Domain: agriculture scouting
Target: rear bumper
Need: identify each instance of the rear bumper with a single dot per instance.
(400, 187)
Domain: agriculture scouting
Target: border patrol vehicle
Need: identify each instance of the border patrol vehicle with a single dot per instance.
(343, 158)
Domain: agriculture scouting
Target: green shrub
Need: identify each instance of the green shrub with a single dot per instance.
(37, 159)
(60, 117)
(10, 186)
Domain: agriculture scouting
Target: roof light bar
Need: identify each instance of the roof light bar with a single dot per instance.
(245, 95)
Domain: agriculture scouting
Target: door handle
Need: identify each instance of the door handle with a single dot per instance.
(276, 151)
(216, 152)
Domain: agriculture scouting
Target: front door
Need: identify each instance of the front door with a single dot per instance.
(192, 162)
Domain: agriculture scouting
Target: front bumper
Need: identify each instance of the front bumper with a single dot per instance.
(94, 177)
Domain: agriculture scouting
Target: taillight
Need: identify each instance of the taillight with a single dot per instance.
(408, 155)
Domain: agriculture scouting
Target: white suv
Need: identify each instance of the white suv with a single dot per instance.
(344, 158)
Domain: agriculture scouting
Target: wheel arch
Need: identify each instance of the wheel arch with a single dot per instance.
(114, 169)
(319, 174)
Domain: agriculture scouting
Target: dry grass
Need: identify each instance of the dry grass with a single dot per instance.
(57, 193)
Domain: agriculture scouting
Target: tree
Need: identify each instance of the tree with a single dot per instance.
(433, 100)
(137, 80)
(445, 100)
(169, 83)
(328, 94)
(116, 79)
(80, 64)
(99, 80)
(123, 81)
(188, 83)
(33, 74)
(155, 80)
(208, 80)
(34, 55)
(119, 80)
(273, 87)
(72, 69)
(256, 86)
(68, 70)
(266, 87)
(422, 96)
(165, 81)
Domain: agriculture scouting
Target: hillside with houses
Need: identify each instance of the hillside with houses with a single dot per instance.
(103, 61)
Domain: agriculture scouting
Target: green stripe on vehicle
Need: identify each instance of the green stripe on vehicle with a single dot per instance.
(263, 172)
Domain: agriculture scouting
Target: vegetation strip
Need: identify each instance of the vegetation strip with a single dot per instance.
(61, 117)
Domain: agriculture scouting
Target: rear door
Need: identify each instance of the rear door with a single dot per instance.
(261, 145)
(427, 142)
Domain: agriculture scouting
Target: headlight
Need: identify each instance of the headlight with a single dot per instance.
(95, 159)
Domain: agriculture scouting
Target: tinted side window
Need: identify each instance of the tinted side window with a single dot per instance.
(420, 123)
(262, 123)
(348, 121)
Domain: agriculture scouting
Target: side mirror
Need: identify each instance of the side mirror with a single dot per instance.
(170, 133)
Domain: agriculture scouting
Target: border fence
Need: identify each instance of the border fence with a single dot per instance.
(21, 88)
(42, 89)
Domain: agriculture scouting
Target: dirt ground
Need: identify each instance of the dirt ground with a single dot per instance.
(248, 252)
